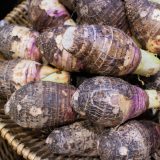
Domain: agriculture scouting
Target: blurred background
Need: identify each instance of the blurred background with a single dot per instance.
(6, 6)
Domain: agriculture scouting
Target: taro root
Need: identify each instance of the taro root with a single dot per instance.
(78, 139)
(45, 14)
(72, 158)
(41, 105)
(18, 72)
(108, 101)
(18, 41)
(144, 18)
(50, 46)
(110, 12)
(105, 50)
(133, 140)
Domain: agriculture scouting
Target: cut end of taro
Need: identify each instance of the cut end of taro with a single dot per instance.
(154, 98)
(149, 65)
(154, 1)
(48, 73)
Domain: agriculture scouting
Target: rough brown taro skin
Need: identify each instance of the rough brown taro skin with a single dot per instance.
(72, 158)
(18, 41)
(108, 101)
(12, 77)
(41, 105)
(78, 139)
(50, 45)
(103, 50)
(134, 140)
(103, 12)
(144, 20)
(42, 19)
(6, 85)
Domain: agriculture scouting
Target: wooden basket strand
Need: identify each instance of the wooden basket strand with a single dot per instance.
(19, 15)
(25, 142)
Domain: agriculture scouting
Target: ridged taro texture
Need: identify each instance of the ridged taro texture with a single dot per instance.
(100, 49)
(144, 18)
(45, 14)
(41, 105)
(18, 41)
(109, 101)
(134, 140)
(78, 139)
(103, 12)
(55, 157)
(16, 73)
(50, 46)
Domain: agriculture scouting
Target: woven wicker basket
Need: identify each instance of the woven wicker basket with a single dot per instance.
(6, 152)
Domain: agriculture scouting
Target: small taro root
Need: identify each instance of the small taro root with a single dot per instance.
(135, 140)
(78, 139)
(18, 41)
(45, 14)
(41, 105)
(106, 50)
(144, 18)
(110, 12)
(18, 72)
(109, 101)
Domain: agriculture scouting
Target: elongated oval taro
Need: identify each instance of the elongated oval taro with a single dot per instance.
(78, 139)
(41, 105)
(133, 140)
(100, 50)
(109, 101)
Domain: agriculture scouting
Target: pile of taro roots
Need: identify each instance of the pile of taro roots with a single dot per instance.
(88, 75)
